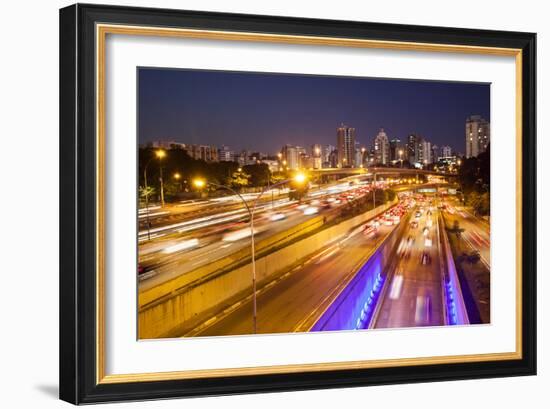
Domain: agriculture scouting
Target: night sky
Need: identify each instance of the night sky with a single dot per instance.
(262, 112)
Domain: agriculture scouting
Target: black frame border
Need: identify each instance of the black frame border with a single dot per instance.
(78, 211)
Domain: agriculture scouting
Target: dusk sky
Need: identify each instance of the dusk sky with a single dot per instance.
(262, 112)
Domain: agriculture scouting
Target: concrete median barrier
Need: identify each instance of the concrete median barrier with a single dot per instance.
(344, 310)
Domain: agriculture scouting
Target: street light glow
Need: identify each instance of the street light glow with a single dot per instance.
(160, 153)
(177, 176)
(199, 183)
(300, 178)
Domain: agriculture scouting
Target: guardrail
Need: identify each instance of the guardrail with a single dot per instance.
(457, 313)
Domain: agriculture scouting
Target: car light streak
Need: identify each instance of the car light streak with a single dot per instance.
(184, 245)
(397, 286)
(152, 214)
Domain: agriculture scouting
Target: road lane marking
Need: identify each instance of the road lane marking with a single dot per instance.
(330, 254)
(200, 262)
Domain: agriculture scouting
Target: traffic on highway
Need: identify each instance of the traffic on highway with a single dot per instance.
(180, 241)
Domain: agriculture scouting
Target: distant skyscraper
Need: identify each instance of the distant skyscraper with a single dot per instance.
(446, 151)
(435, 153)
(395, 147)
(345, 138)
(424, 149)
(306, 161)
(327, 153)
(412, 148)
(291, 156)
(381, 147)
(317, 156)
(478, 135)
(333, 158)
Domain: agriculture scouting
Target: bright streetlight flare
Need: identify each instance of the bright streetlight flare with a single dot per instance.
(199, 183)
(300, 178)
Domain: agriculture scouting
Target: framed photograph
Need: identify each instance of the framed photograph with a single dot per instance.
(257, 203)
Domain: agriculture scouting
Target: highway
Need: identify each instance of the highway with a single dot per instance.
(285, 303)
(202, 240)
(293, 300)
(414, 295)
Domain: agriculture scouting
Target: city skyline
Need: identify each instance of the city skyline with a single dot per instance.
(271, 110)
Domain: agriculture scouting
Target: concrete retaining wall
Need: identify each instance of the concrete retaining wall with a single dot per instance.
(164, 315)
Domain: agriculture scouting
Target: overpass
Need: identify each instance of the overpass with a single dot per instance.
(380, 171)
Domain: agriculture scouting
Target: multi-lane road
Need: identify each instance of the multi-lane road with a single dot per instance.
(414, 294)
(209, 230)
(181, 243)
(476, 232)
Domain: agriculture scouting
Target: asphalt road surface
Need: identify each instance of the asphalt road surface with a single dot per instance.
(414, 296)
(286, 303)
(476, 233)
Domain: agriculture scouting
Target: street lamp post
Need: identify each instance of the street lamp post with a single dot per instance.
(300, 178)
(159, 154)
(374, 191)
(161, 188)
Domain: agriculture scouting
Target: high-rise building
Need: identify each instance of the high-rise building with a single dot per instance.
(434, 153)
(244, 158)
(360, 156)
(395, 148)
(478, 135)
(333, 158)
(306, 161)
(291, 156)
(412, 148)
(225, 154)
(345, 140)
(381, 147)
(317, 156)
(424, 150)
(327, 153)
(446, 152)
(369, 157)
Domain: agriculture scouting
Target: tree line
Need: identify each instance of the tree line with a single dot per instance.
(475, 181)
